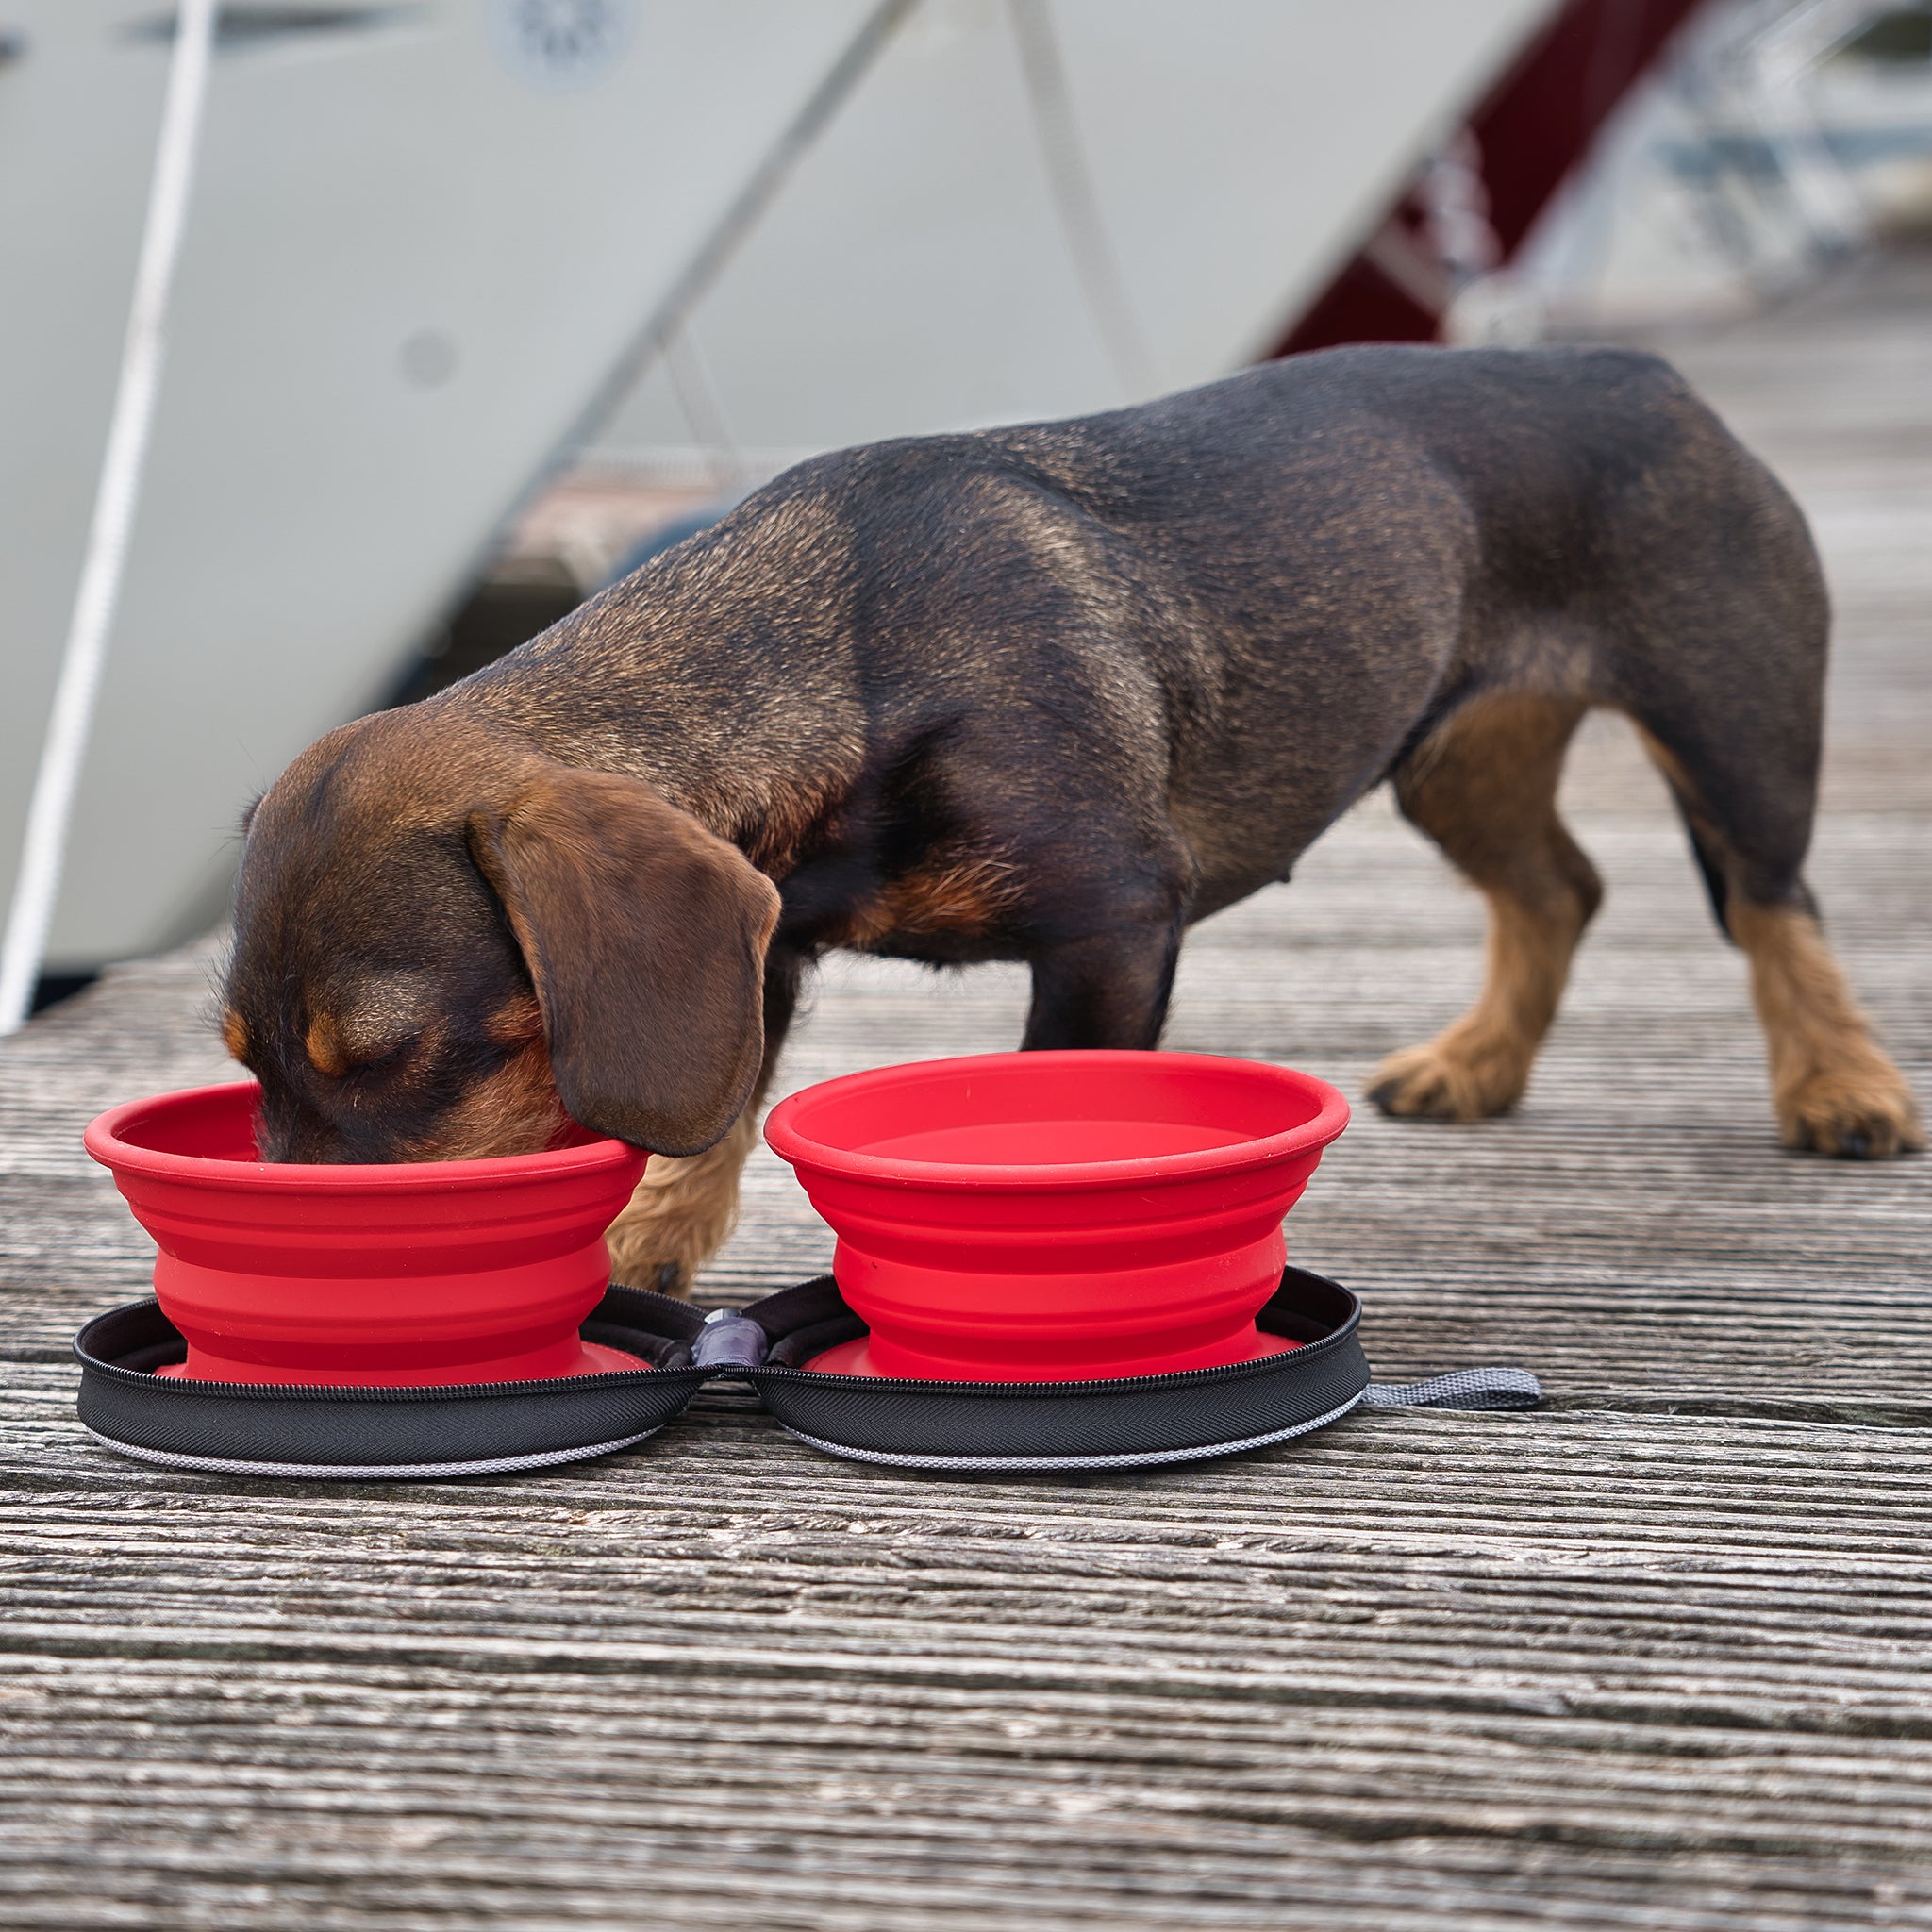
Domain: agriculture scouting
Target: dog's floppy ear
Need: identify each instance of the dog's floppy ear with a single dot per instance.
(645, 938)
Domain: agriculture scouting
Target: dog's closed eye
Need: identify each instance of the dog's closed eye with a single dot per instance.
(337, 1048)
(376, 1025)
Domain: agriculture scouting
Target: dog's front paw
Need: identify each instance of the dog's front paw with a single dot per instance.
(680, 1214)
(662, 1278)
(1863, 1111)
(673, 1224)
(1450, 1078)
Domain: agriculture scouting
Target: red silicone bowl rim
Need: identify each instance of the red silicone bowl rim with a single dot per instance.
(102, 1141)
(792, 1144)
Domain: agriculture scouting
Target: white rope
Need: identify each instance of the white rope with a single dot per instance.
(746, 210)
(43, 847)
(1076, 201)
(703, 411)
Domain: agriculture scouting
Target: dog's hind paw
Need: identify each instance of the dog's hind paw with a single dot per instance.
(1864, 1112)
(1449, 1079)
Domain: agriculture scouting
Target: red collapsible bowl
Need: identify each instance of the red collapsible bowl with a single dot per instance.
(1056, 1216)
(422, 1274)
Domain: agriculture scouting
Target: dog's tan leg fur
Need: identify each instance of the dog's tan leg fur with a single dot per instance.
(1832, 1085)
(1833, 1089)
(681, 1212)
(1484, 787)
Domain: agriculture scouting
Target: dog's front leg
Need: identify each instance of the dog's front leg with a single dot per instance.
(681, 1212)
(684, 1207)
(1109, 988)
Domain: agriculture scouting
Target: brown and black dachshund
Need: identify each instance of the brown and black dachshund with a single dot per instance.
(1051, 694)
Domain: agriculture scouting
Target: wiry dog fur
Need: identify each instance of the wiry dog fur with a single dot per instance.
(1052, 693)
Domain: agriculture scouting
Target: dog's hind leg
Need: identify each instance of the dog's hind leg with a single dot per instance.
(684, 1208)
(1484, 787)
(1723, 667)
(1834, 1088)
(1748, 811)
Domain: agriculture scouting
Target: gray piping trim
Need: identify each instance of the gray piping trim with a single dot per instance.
(1138, 1458)
(369, 1471)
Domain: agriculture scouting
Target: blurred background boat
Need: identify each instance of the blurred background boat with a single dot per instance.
(479, 302)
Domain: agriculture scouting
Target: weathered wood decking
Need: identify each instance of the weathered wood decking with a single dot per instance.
(1660, 1656)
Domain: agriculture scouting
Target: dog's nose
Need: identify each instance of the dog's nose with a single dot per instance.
(285, 1147)
(301, 1138)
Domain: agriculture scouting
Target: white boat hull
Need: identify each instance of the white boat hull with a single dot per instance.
(418, 244)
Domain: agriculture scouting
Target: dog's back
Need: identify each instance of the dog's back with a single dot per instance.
(1264, 590)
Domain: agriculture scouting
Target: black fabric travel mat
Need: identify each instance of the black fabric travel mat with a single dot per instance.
(477, 1428)
(488, 1428)
(1114, 1422)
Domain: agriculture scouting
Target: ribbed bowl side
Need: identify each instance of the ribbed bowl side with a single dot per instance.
(435, 1263)
(1114, 1265)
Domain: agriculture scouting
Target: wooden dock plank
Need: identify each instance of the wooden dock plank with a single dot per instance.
(1602, 1645)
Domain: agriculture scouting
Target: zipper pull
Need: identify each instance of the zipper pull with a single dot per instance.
(729, 1340)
